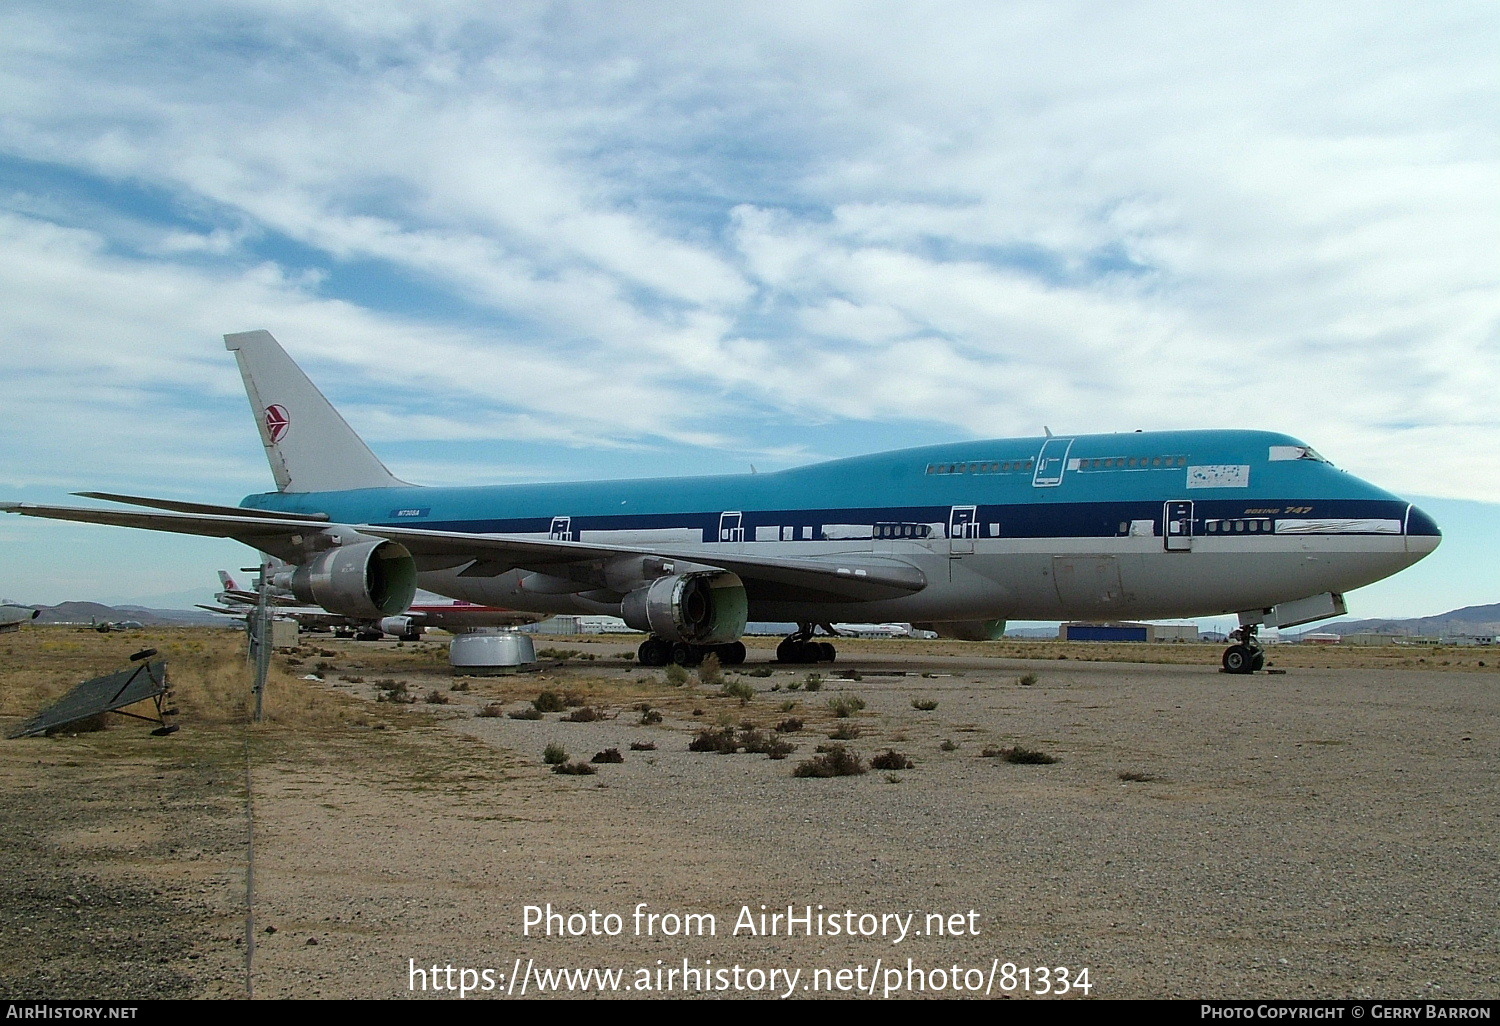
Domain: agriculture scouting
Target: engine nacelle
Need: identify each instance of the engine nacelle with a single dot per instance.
(966, 630)
(368, 580)
(403, 627)
(705, 608)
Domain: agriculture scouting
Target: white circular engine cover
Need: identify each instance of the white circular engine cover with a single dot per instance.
(488, 649)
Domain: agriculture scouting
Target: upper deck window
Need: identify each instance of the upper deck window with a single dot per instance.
(1163, 462)
(1296, 452)
(983, 467)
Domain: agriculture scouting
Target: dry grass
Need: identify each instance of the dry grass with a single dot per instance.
(207, 670)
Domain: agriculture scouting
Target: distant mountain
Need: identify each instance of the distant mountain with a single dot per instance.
(97, 612)
(1468, 620)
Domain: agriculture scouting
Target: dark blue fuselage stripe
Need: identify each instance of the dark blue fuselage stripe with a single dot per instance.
(1029, 520)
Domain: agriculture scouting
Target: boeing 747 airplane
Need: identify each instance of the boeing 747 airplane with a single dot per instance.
(953, 538)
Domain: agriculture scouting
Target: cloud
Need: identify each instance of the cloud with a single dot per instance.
(753, 229)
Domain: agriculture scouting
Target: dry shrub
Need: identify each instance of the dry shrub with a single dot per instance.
(724, 741)
(835, 761)
(576, 769)
(1021, 755)
(890, 759)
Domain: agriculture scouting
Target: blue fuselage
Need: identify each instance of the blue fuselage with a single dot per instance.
(1128, 525)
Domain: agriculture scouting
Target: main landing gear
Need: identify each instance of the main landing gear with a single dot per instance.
(656, 651)
(1246, 655)
(800, 648)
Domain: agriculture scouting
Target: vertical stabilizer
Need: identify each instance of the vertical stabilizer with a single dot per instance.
(309, 446)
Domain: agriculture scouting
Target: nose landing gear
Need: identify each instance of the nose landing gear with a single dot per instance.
(1246, 655)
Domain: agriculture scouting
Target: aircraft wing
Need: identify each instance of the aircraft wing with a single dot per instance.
(844, 577)
(841, 577)
(275, 534)
(239, 611)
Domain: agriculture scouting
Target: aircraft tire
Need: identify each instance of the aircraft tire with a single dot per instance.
(1238, 659)
(1257, 660)
(827, 653)
(653, 652)
(798, 652)
(684, 654)
(732, 654)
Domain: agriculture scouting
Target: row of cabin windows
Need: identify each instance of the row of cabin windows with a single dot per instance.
(903, 530)
(1236, 526)
(988, 467)
(1133, 463)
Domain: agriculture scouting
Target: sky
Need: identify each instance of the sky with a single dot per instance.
(543, 241)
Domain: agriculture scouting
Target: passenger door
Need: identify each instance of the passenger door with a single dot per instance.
(963, 528)
(1177, 526)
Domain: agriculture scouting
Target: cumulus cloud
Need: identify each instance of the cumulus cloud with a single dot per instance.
(735, 228)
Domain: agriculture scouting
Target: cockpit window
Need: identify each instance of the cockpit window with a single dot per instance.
(1296, 452)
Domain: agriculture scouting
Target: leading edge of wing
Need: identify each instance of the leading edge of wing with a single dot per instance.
(178, 506)
(249, 528)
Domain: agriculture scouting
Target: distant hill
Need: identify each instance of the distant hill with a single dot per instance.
(1468, 620)
(95, 612)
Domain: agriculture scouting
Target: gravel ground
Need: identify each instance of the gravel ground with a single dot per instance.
(1323, 833)
(124, 868)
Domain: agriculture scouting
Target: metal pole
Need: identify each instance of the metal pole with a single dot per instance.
(262, 637)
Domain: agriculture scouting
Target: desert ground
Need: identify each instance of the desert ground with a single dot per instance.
(389, 830)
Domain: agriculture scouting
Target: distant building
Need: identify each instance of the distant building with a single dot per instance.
(1372, 638)
(1174, 632)
(1138, 632)
(1105, 632)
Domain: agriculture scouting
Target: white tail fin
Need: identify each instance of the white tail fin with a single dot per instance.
(310, 447)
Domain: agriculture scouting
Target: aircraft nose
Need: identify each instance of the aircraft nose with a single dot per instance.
(1422, 534)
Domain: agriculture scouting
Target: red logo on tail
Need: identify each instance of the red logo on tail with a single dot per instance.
(277, 421)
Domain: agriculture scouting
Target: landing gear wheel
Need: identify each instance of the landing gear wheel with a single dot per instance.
(791, 651)
(684, 654)
(1239, 659)
(801, 648)
(653, 652)
(732, 654)
(1257, 661)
